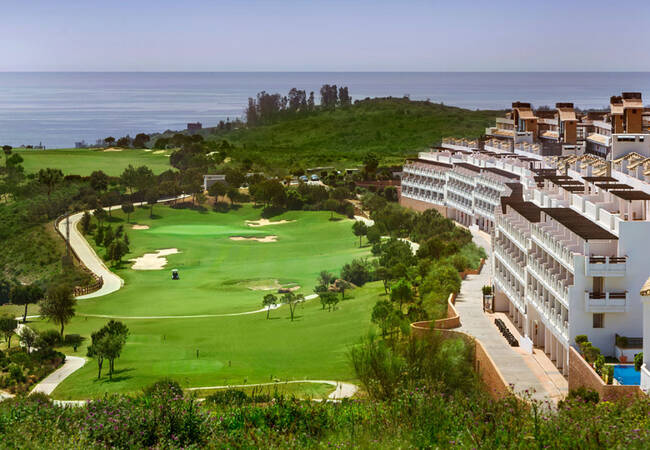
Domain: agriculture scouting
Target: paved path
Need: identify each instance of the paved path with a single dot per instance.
(88, 256)
(47, 386)
(196, 316)
(343, 390)
(522, 371)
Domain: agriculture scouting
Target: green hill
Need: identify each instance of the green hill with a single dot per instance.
(390, 127)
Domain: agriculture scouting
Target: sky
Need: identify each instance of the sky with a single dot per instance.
(324, 35)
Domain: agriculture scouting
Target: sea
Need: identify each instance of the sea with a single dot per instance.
(58, 109)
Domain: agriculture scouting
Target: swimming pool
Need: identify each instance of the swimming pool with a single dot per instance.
(625, 374)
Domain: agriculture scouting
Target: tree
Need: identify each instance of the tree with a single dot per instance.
(107, 343)
(325, 278)
(344, 96)
(292, 300)
(140, 140)
(356, 272)
(401, 292)
(373, 235)
(109, 141)
(98, 181)
(359, 229)
(370, 162)
(7, 151)
(329, 299)
(111, 198)
(99, 235)
(218, 189)
(86, 222)
(382, 314)
(390, 193)
(109, 236)
(152, 199)
(128, 208)
(26, 295)
(7, 326)
(129, 178)
(50, 178)
(384, 275)
(269, 301)
(59, 305)
(27, 337)
(331, 205)
(342, 286)
(101, 215)
(123, 142)
(116, 250)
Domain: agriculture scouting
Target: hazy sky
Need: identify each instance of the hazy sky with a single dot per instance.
(320, 35)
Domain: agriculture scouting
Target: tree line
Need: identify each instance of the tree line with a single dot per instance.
(266, 107)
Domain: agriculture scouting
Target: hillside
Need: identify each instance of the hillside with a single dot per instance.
(390, 127)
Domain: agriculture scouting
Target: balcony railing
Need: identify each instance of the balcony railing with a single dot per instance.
(605, 266)
(603, 302)
(555, 248)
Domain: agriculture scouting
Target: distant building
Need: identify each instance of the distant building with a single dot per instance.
(194, 126)
(209, 180)
(81, 144)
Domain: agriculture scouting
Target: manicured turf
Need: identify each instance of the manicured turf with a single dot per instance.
(216, 274)
(85, 161)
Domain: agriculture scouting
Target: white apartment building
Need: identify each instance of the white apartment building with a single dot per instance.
(569, 232)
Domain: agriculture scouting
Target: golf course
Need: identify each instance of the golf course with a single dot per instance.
(88, 160)
(209, 328)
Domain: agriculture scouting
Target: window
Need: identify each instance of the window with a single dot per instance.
(599, 320)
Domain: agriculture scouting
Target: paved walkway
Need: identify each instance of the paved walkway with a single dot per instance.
(342, 390)
(88, 256)
(47, 386)
(535, 373)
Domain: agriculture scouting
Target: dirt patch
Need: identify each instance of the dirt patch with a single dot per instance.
(140, 227)
(158, 152)
(153, 261)
(266, 222)
(272, 238)
(113, 149)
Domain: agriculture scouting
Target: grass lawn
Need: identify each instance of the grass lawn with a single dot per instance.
(85, 161)
(216, 276)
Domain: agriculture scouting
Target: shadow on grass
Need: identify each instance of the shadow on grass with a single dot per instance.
(113, 219)
(118, 375)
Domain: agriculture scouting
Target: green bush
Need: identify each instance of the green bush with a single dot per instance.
(48, 339)
(584, 394)
(610, 374)
(230, 397)
(638, 361)
(581, 339)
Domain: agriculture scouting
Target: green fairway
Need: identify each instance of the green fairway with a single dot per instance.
(85, 161)
(221, 276)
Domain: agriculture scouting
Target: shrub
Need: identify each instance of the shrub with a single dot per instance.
(164, 388)
(581, 339)
(584, 394)
(73, 340)
(487, 290)
(459, 262)
(357, 272)
(229, 397)
(610, 374)
(16, 373)
(638, 361)
(49, 339)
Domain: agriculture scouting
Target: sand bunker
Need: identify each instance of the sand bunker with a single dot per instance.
(271, 238)
(140, 227)
(266, 222)
(113, 149)
(273, 285)
(158, 152)
(153, 261)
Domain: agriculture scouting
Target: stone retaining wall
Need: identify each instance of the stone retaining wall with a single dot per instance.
(419, 205)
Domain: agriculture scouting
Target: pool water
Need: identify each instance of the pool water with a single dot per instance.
(625, 374)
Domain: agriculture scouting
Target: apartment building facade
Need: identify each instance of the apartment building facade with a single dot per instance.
(569, 228)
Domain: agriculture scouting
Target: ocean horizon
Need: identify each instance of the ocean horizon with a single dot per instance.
(58, 109)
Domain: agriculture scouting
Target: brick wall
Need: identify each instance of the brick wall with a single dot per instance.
(581, 374)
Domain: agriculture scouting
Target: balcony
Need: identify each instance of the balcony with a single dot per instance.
(555, 248)
(605, 266)
(606, 302)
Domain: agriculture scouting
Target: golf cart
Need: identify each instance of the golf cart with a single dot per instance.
(175, 274)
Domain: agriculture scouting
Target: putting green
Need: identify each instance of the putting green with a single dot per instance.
(221, 276)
